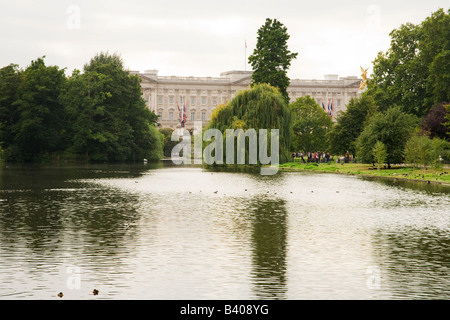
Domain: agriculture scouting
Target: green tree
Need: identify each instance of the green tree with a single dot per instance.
(11, 78)
(414, 72)
(412, 145)
(40, 127)
(85, 98)
(261, 107)
(442, 151)
(379, 153)
(393, 128)
(271, 58)
(421, 150)
(310, 125)
(342, 136)
(110, 119)
(434, 54)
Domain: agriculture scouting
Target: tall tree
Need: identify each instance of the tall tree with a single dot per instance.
(40, 127)
(11, 78)
(414, 72)
(85, 100)
(434, 53)
(271, 58)
(110, 119)
(342, 137)
(310, 125)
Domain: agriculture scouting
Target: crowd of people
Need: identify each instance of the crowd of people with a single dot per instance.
(320, 157)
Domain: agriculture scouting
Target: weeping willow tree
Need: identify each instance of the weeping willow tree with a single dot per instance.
(261, 107)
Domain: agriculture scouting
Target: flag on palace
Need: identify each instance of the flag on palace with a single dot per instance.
(331, 108)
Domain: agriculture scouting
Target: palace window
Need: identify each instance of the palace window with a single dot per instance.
(203, 100)
(170, 99)
(192, 101)
(171, 115)
(160, 100)
(203, 116)
(192, 116)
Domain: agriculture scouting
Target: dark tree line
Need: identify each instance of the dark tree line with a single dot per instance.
(94, 115)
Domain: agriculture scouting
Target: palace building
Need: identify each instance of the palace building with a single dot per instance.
(201, 95)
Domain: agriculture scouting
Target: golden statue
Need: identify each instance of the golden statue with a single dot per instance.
(364, 73)
(364, 78)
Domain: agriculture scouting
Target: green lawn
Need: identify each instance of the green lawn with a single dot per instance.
(400, 172)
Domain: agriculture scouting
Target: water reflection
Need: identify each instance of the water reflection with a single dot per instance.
(415, 262)
(146, 232)
(269, 248)
(422, 186)
(48, 221)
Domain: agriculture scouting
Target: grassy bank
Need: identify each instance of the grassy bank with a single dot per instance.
(396, 172)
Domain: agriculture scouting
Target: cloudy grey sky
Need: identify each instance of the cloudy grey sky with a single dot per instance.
(203, 38)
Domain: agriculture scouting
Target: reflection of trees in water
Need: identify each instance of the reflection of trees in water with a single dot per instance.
(43, 209)
(418, 264)
(412, 184)
(269, 248)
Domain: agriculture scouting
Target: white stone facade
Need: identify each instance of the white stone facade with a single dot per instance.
(202, 95)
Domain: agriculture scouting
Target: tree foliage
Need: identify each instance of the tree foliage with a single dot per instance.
(393, 128)
(271, 58)
(435, 122)
(422, 150)
(98, 115)
(32, 115)
(11, 78)
(109, 116)
(415, 71)
(379, 153)
(342, 137)
(310, 125)
(261, 107)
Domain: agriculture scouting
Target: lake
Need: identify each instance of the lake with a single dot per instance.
(160, 231)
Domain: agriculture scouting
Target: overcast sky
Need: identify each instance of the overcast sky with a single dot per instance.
(203, 38)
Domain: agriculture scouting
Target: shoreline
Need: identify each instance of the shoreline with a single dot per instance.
(361, 170)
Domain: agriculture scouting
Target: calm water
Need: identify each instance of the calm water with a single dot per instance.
(161, 232)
